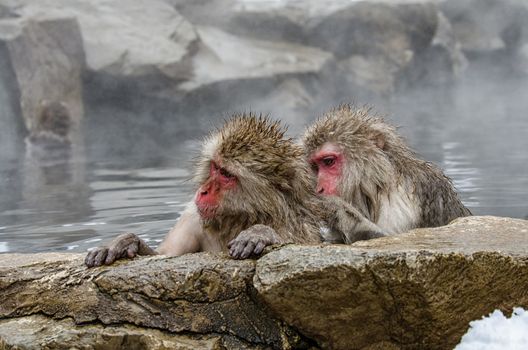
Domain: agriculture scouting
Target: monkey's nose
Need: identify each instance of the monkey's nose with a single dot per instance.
(203, 193)
(320, 190)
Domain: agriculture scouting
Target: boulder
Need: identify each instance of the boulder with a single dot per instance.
(225, 57)
(377, 43)
(43, 60)
(487, 26)
(440, 64)
(41, 332)
(377, 28)
(414, 290)
(128, 41)
(197, 294)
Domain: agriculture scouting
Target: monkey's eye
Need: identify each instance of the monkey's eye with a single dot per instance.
(328, 161)
(226, 174)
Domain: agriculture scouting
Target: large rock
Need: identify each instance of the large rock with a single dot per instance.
(376, 43)
(198, 294)
(133, 40)
(225, 57)
(41, 332)
(377, 27)
(43, 60)
(415, 290)
(486, 26)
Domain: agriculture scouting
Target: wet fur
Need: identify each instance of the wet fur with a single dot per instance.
(383, 178)
(273, 181)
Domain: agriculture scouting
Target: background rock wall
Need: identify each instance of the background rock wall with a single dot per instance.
(159, 69)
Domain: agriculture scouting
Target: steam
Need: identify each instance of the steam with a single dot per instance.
(471, 122)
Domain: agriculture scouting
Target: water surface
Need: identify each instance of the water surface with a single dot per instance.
(477, 133)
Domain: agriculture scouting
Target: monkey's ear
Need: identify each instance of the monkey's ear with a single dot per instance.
(379, 140)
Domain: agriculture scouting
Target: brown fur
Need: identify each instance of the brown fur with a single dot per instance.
(274, 184)
(381, 165)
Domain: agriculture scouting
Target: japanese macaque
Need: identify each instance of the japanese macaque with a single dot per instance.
(373, 183)
(254, 190)
(49, 140)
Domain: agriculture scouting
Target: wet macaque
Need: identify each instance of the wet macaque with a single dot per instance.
(373, 184)
(50, 135)
(254, 190)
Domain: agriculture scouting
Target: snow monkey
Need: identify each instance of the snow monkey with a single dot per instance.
(254, 189)
(372, 181)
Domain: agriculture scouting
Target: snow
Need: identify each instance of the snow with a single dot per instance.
(497, 332)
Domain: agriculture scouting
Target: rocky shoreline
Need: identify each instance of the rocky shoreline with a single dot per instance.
(415, 290)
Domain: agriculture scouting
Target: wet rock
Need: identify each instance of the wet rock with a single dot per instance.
(41, 332)
(415, 290)
(200, 294)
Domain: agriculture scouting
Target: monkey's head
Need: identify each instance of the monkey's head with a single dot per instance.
(349, 152)
(54, 117)
(247, 170)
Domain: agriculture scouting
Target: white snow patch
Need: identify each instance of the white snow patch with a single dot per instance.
(497, 332)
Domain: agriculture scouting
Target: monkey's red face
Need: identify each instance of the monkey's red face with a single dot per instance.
(209, 195)
(327, 162)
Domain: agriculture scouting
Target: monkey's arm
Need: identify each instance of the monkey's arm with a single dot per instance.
(346, 223)
(183, 238)
(252, 241)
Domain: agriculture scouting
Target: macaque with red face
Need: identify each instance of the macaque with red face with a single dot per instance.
(372, 181)
(254, 190)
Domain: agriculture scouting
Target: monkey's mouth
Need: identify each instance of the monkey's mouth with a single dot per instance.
(207, 211)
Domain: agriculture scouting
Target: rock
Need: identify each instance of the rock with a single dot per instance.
(376, 43)
(44, 60)
(375, 27)
(415, 290)
(41, 332)
(205, 12)
(132, 40)
(487, 26)
(441, 64)
(200, 294)
(220, 59)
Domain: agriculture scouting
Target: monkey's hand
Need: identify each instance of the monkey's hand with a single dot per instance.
(346, 223)
(252, 241)
(127, 245)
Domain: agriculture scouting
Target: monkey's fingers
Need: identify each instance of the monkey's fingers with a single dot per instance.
(113, 255)
(100, 256)
(89, 260)
(236, 249)
(259, 248)
(122, 242)
(132, 251)
(248, 249)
